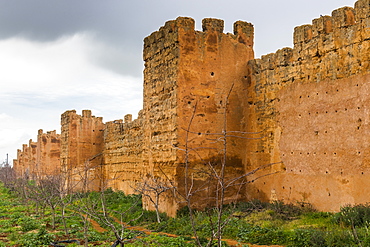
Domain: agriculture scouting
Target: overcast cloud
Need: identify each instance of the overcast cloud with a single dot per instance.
(87, 54)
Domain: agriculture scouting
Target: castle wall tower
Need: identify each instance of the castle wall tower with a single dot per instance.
(48, 153)
(187, 79)
(18, 164)
(31, 153)
(82, 143)
(25, 160)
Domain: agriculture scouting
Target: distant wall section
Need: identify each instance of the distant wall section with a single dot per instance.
(39, 159)
(123, 149)
(48, 153)
(81, 153)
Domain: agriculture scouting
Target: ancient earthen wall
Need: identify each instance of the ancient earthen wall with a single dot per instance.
(123, 153)
(32, 158)
(48, 153)
(23, 161)
(81, 154)
(25, 165)
(187, 79)
(161, 57)
(18, 164)
(311, 104)
(304, 110)
(38, 159)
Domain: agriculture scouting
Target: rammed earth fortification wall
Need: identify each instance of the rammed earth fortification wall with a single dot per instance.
(81, 154)
(305, 109)
(187, 76)
(312, 101)
(123, 150)
(41, 158)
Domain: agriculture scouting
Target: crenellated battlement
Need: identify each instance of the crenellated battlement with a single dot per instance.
(362, 9)
(69, 113)
(332, 47)
(86, 113)
(213, 25)
(340, 18)
(343, 17)
(48, 134)
(346, 26)
(126, 122)
(170, 34)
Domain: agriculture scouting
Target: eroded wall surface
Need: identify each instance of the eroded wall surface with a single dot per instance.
(81, 153)
(39, 159)
(212, 90)
(48, 153)
(311, 103)
(123, 148)
(194, 87)
(26, 160)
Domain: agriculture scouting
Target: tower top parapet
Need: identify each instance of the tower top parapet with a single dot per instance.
(208, 25)
(211, 24)
(341, 18)
(174, 32)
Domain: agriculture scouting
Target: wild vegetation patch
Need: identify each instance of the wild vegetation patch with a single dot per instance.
(100, 218)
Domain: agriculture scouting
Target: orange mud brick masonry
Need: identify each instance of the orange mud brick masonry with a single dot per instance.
(302, 113)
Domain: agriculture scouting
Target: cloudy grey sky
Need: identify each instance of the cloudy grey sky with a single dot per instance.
(87, 54)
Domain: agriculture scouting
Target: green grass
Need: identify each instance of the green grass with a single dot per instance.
(249, 222)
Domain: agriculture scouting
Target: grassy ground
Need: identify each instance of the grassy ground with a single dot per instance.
(22, 224)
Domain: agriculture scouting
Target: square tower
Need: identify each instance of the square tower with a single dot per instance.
(194, 89)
